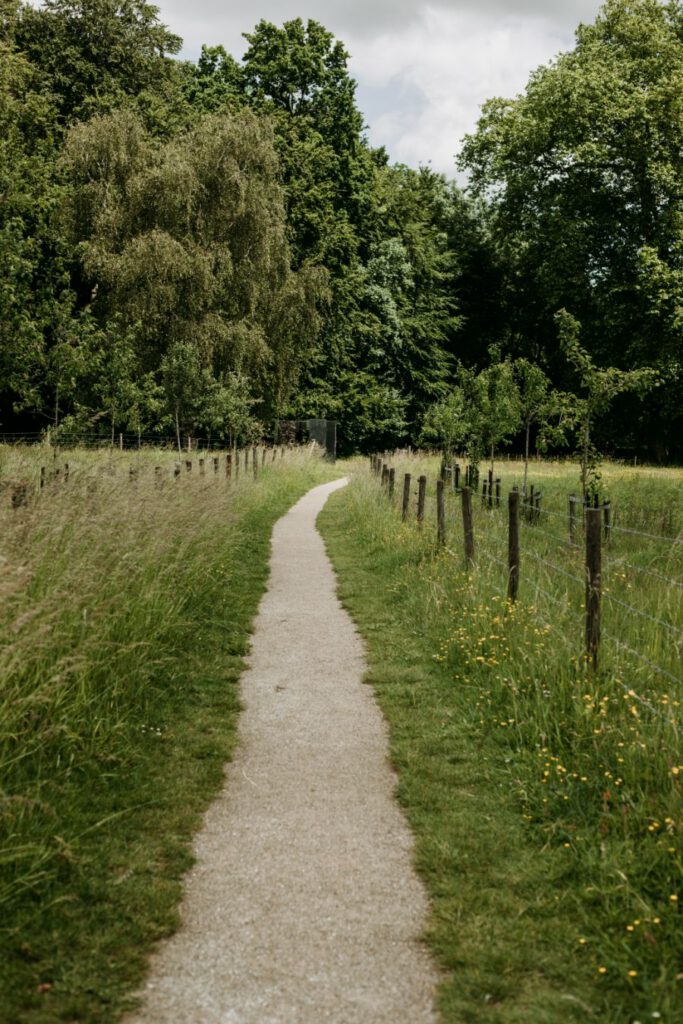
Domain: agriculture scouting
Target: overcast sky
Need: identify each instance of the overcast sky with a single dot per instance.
(423, 69)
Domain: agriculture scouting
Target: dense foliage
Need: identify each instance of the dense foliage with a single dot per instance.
(212, 247)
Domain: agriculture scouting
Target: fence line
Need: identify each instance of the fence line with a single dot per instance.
(597, 521)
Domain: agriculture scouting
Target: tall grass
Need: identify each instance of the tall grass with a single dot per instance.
(591, 761)
(125, 605)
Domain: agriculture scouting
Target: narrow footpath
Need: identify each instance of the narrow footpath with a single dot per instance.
(303, 906)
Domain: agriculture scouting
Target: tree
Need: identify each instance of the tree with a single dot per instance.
(582, 177)
(35, 301)
(183, 384)
(600, 387)
(97, 54)
(447, 423)
(187, 240)
(497, 407)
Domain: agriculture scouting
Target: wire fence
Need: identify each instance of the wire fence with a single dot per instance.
(591, 570)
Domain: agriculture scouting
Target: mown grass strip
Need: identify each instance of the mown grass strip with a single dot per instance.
(534, 881)
(122, 646)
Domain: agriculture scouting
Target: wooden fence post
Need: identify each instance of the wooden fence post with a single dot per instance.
(456, 478)
(498, 492)
(42, 477)
(468, 526)
(228, 466)
(176, 470)
(607, 520)
(392, 481)
(216, 462)
(513, 544)
(19, 495)
(66, 472)
(490, 488)
(254, 459)
(421, 497)
(406, 497)
(201, 467)
(572, 519)
(263, 457)
(385, 475)
(440, 514)
(593, 583)
(237, 463)
(120, 442)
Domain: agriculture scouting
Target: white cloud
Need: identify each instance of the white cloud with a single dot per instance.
(423, 68)
(448, 65)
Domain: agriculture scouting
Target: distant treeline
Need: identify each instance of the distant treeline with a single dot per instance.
(208, 248)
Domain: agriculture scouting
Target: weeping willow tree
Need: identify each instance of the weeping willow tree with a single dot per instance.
(184, 242)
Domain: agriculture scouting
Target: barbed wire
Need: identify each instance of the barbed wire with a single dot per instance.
(643, 658)
(647, 572)
(643, 615)
(674, 541)
(556, 568)
(565, 543)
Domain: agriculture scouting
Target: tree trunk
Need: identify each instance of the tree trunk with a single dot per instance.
(177, 430)
(584, 458)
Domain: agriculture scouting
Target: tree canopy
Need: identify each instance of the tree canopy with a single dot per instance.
(214, 245)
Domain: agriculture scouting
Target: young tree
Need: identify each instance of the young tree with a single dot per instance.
(599, 389)
(447, 423)
(498, 406)
(183, 384)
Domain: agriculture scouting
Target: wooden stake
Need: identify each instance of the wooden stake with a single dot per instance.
(593, 583)
(572, 519)
(405, 508)
(440, 514)
(392, 481)
(468, 526)
(421, 497)
(607, 520)
(513, 544)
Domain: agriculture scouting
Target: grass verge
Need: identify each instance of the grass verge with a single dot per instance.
(127, 605)
(553, 894)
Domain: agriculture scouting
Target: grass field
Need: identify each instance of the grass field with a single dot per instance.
(125, 608)
(545, 798)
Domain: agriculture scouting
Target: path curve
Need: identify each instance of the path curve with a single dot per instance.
(303, 905)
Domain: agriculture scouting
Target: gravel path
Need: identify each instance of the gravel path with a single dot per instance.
(303, 906)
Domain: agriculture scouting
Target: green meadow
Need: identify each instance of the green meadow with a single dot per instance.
(125, 611)
(545, 797)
